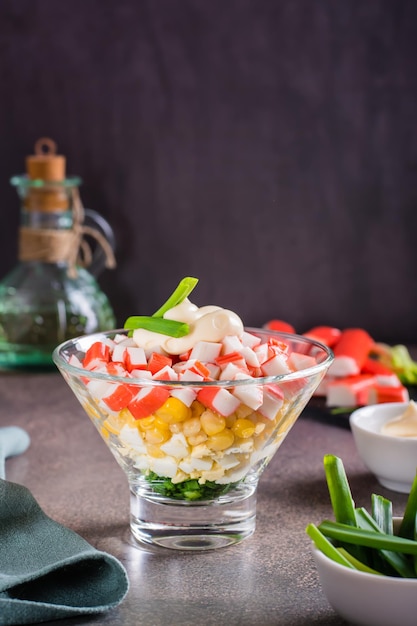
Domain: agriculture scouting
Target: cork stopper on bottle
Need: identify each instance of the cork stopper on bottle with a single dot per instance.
(47, 166)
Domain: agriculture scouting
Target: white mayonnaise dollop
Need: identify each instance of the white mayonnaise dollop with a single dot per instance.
(405, 425)
(207, 323)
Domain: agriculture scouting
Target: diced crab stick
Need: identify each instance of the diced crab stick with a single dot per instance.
(114, 369)
(190, 375)
(262, 352)
(383, 374)
(74, 361)
(380, 394)
(298, 361)
(250, 340)
(276, 346)
(251, 395)
(250, 356)
(292, 388)
(184, 356)
(206, 351)
(140, 373)
(147, 401)
(200, 368)
(214, 370)
(324, 334)
(135, 358)
(231, 343)
(231, 371)
(280, 326)
(185, 394)
(231, 357)
(97, 388)
(165, 373)
(118, 353)
(273, 399)
(350, 391)
(157, 361)
(126, 341)
(351, 352)
(275, 366)
(118, 397)
(218, 400)
(97, 354)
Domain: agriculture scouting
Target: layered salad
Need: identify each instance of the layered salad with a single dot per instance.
(190, 400)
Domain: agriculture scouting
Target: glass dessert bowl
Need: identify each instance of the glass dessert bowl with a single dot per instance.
(193, 422)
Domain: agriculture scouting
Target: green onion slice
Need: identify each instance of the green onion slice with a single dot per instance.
(325, 546)
(339, 490)
(157, 325)
(371, 539)
(183, 290)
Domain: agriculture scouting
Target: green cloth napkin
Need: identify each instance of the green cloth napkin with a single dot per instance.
(47, 571)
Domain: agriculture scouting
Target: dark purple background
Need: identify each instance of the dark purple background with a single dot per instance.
(268, 147)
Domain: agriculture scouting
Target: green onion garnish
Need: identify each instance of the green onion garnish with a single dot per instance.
(157, 325)
(183, 290)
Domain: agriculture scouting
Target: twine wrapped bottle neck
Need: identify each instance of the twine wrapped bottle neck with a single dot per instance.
(46, 192)
(69, 246)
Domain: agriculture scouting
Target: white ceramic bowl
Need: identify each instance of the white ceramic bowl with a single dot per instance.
(393, 460)
(367, 599)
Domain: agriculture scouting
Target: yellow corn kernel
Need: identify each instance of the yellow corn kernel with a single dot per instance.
(221, 441)
(195, 440)
(146, 423)
(104, 432)
(230, 420)
(127, 418)
(243, 428)
(155, 451)
(160, 424)
(212, 423)
(197, 408)
(173, 411)
(91, 411)
(110, 427)
(154, 435)
(191, 426)
(243, 411)
(115, 423)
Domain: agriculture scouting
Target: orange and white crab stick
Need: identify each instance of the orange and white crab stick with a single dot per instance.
(381, 393)
(351, 352)
(325, 334)
(383, 374)
(350, 391)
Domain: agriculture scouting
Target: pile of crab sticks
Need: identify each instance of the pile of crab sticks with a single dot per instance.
(363, 371)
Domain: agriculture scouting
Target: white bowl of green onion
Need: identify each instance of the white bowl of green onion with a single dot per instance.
(365, 558)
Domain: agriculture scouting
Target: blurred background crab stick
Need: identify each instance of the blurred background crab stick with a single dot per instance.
(383, 374)
(280, 326)
(351, 352)
(325, 334)
(350, 391)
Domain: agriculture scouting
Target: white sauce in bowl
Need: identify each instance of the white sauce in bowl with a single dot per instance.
(405, 425)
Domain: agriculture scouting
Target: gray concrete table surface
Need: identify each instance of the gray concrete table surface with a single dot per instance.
(268, 579)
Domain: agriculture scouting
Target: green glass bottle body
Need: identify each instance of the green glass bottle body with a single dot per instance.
(42, 303)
